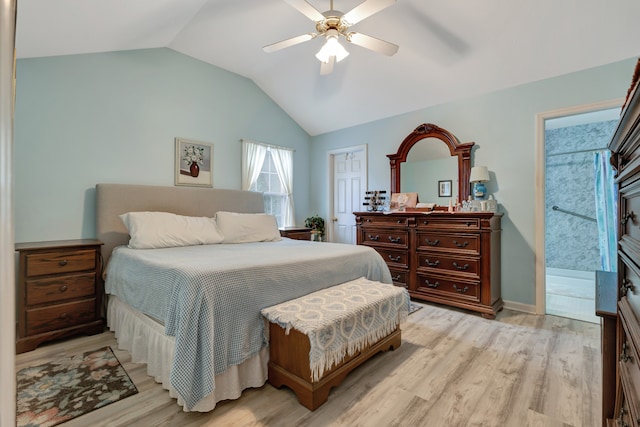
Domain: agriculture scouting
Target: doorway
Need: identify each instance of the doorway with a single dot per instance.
(573, 143)
(348, 183)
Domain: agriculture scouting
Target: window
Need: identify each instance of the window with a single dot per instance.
(269, 170)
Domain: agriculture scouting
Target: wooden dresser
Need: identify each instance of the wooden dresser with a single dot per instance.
(447, 258)
(625, 146)
(59, 291)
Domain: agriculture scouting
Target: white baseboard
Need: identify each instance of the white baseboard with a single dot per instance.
(518, 306)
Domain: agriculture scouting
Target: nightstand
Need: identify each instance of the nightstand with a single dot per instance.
(298, 233)
(59, 291)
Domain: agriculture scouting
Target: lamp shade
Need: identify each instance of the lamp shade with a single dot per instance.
(332, 47)
(479, 174)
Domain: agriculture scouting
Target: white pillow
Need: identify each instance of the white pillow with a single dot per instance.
(246, 228)
(164, 230)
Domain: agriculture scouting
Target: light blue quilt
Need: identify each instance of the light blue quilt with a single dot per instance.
(210, 296)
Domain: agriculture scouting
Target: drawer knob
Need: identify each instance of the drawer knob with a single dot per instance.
(432, 243)
(394, 258)
(63, 288)
(431, 285)
(432, 264)
(461, 245)
(374, 238)
(395, 239)
(626, 287)
(64, 315)
(461, 290)
(468, 223)
(396, 278)
(624, 357)
(399, 221)
(460, 267)
(63, 262)
(628, 216)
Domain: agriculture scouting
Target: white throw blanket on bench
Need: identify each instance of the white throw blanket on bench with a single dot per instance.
(343, 319)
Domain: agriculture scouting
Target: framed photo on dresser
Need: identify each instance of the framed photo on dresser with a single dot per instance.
(193, 163)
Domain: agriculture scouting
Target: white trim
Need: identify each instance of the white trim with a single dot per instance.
(540, 188)
(518, 306)
(7, 252)
(330, 155)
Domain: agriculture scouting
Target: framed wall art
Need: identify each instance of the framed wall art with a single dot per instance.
(444, 188)
(194, 160)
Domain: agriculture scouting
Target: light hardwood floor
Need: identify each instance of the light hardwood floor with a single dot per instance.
(453, 369)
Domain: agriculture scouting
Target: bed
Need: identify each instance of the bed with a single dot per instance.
(192, 313)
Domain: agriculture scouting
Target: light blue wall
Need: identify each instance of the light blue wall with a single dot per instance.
(113, 117)
(502, 124)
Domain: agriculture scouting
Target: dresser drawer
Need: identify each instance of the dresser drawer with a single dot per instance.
(628, 360)
(56, 289)
(448, 287)
(60, 316)
(399, 277)
(461, 243)
(450, 223)
(465, 266)
(394, 258)
(384, 220)
(381, 237)
(39, 264)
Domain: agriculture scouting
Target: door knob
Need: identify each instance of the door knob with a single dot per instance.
(334, 219)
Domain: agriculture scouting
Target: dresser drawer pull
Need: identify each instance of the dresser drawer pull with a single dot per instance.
(626, 286)
(434, 243)
(431, 285)
(63, 262)
(368, 220)
(432, 264)
(460, 267)
(468, 223)
(461, 290)
(624, 357)
(628, 216)
(64, 315)
(395, 239)
(396, 278)
(620, 420)
(461, 245)
(400, 221)
(63, 288)
(374, 238)
(394, 258)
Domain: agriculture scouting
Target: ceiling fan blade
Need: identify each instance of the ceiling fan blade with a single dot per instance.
(327, 67)
(306, 9)
(366, 9)
(372, 43)
(289, 42)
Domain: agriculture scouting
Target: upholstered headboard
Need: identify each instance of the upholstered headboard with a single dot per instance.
(112, 200)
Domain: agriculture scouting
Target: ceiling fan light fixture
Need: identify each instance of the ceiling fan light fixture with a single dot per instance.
(332, 47)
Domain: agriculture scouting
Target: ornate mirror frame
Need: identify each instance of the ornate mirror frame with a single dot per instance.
(428, 130)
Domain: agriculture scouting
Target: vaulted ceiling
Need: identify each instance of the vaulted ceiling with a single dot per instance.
(449, 49)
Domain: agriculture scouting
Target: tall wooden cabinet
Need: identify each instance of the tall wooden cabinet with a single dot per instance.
(625, 146)
(447, 258)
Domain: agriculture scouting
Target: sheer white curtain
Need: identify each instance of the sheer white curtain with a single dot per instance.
(252, 159)
(283, 161)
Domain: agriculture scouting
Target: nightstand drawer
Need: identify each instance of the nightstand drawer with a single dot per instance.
(55, 289)
(60, 316)
(39, 264)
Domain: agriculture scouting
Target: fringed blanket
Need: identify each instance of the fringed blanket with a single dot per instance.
(343, 319)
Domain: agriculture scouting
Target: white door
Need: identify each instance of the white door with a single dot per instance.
(349, 186)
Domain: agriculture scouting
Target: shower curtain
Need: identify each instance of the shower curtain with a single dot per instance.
(606, 194)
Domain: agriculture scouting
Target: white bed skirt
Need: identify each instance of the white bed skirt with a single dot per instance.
(145, 340)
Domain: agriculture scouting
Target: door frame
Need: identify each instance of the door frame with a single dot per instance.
(540, 165)
(330, 158)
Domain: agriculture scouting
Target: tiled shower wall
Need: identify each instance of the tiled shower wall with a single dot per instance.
(572, 242)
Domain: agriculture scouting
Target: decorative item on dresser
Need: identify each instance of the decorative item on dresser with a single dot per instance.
(59, 291)
(448, 258)
(625, 148)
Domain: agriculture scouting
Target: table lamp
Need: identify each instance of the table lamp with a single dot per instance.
(479, 175)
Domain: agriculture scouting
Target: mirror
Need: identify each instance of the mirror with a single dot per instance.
(430, 155)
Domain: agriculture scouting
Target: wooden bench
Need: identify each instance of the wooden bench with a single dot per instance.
(289, 358)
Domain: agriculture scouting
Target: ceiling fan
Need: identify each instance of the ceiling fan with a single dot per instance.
(334, 24)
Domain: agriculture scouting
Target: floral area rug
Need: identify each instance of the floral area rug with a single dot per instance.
(414, 307)
(66, 388)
